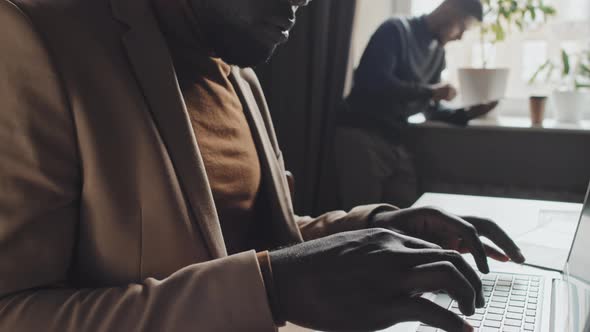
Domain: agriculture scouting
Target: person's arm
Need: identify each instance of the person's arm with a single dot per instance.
(40, 175)
(335, 222)
(460, 116)
(376, 72)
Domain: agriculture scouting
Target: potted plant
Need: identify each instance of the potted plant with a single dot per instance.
(500, 18)
(571, 95)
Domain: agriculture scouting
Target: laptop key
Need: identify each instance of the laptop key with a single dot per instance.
(517, 304)
(516, 310)
(531, 313)
(494, 317)
(530, 320)
(534, 295)
(510, 329)
(498, 305)
(497, 311)
(532, 307)
(492, 323)
(512, 315)
(499, 299)
(488, 329)
(473, 322)
(533, 301)
(489, 283)
(529, 327)
(512, 322)
(518, 298)
(475, 317)
(501, 293)
(520, 293)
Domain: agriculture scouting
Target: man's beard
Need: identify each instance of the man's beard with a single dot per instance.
(237, 46)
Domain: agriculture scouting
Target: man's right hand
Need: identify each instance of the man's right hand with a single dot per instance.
(443, 92)
(370, 280)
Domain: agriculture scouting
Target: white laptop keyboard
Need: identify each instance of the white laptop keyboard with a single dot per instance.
(513, 303)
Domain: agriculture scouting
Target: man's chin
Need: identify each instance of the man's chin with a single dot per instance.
(245, 57)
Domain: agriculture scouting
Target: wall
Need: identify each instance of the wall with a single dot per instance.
(545, 164)
(370, 14)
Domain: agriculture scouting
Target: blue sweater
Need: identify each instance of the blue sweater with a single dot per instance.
(403, 58)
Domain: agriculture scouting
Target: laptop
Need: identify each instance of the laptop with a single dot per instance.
(525, 298)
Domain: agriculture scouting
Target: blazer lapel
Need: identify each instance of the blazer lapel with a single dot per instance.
(151, 61)
(284, 227)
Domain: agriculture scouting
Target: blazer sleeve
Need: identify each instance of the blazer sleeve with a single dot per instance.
(334, 222)
(339, 221)
(40, 195)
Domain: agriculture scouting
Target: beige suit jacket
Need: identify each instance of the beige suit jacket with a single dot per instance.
(107, 221)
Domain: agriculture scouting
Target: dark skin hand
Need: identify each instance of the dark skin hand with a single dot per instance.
(370, 280)
(453, 233)
(480, 110)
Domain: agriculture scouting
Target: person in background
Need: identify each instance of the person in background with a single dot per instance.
(399, 75)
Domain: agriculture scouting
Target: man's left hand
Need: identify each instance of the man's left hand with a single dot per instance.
(453, 233)
(481, 110)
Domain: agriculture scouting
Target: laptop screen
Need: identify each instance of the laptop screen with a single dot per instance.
(579, 258)
(578, 274)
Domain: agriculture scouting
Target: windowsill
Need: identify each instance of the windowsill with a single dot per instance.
(506, 122)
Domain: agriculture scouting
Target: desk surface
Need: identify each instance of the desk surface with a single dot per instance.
(544, 230)
(507, 122)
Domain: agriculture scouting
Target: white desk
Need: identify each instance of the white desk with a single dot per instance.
(533, 224)
(517, 217)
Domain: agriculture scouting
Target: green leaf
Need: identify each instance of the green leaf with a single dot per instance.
(541, 68)
(565, 59)
(548, 10)
(499, 32)
(585, 69)
(533, 12)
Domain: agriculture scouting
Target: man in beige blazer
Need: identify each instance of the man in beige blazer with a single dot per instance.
(107, 216)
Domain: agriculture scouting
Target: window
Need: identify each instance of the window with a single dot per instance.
(522, 52)
(420, 7)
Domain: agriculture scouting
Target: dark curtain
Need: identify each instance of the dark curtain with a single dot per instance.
(304, 84)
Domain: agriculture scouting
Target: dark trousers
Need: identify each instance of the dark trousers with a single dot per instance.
(372, 169)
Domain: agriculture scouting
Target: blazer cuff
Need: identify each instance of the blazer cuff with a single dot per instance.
(243, 286)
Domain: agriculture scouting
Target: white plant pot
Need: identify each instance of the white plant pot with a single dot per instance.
(570, 105)
(482, 85)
